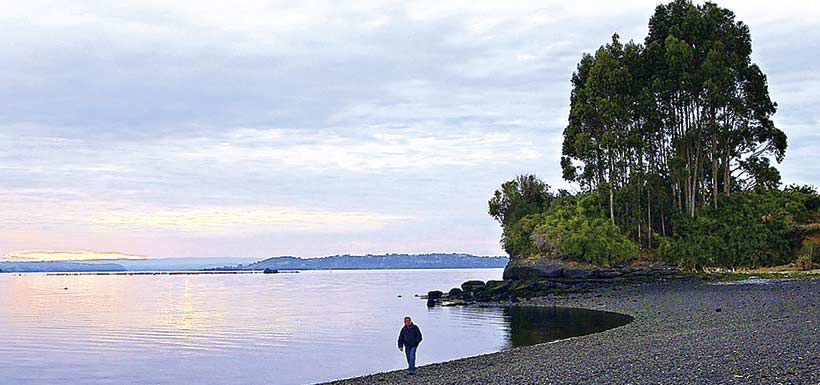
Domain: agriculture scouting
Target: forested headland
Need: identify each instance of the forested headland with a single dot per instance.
(672, 147)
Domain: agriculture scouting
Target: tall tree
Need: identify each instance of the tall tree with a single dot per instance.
(667, 126)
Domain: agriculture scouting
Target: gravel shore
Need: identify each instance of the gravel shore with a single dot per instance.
(685, 332)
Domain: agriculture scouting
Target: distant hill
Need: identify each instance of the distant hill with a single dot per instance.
(57, 266)
(178, 264)
(388, 261)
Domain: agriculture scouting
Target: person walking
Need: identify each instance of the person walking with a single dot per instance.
(409, 340)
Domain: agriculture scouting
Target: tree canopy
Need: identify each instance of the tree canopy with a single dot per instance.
(667, 126)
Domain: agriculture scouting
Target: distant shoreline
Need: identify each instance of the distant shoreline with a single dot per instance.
(378, 262)
(232, 271)
(284, 263)
(195, 272)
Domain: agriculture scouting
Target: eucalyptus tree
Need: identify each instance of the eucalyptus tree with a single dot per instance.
(669, 125)
(714, 102)
(600, 120)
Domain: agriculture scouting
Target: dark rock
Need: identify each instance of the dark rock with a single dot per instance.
(524, 289)
(496, 287)
(608, 273)
(270, 271)
(455, 292)
(434, 294)
(483, 297)
(431, 303)
(523, 269)
(471, 286)
(545, 285)
(561, 285)
(579, 273)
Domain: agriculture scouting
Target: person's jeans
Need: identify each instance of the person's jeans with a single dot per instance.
(410, 352)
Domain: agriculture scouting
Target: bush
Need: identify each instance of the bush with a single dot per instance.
(804, 263)
(576, 229)
(522, 196)
(517, 238)
(753, 228)
(748, 229)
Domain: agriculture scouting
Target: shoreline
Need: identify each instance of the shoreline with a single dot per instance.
(684, 332)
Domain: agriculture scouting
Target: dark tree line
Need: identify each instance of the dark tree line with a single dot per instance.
(664, 128)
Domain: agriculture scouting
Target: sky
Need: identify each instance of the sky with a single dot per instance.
(255, 129)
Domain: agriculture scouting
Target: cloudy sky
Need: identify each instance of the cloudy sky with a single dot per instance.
(250, 128)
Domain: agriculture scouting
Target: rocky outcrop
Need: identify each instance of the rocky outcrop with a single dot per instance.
(533, 269)
(539, 269)
(527, 278)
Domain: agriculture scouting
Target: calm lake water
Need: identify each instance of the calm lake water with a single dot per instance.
(253, 329)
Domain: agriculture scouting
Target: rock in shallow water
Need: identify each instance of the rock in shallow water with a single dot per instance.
(472, 286)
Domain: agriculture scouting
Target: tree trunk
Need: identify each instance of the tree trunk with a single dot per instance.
(714, 169)
(611, 190)
(648, 218)
(611, 202)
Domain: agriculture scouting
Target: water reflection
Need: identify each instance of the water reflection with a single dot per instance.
(533, 325)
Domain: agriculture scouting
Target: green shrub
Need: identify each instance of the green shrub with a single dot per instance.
(522, 196)
(804, 263)
(748, 229)
(576, 229)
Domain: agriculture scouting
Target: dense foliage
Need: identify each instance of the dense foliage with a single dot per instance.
(751, 228)
(573, 228)
(576, 228)
(518, 198)
(672, 144)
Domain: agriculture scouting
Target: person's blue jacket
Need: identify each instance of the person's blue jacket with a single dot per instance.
(409, 336)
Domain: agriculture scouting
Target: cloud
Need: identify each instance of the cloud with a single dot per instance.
(232, 220)
(41, 256)
(383, 150)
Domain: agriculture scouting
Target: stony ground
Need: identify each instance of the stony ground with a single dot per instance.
(684, 333)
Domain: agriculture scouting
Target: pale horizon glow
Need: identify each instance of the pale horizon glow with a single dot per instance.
(264, 128)
(54, 256)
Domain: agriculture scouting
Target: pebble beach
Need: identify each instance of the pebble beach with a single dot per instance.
(684, 332)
